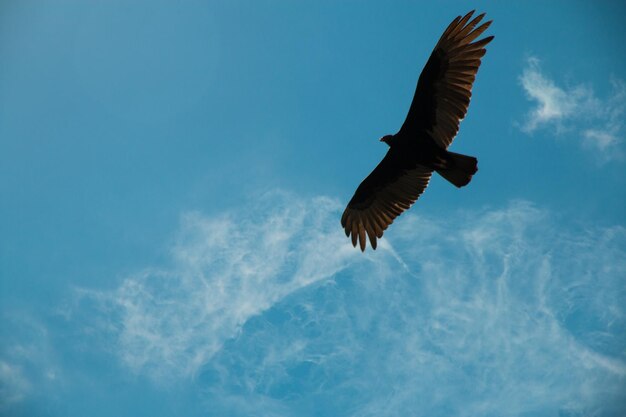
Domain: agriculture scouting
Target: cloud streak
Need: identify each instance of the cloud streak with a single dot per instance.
(13, 384)
(575, 110)
(225, 270)
(269, 310)
(28, 366)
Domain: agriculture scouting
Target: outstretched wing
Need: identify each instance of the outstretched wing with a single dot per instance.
(393, 186)
(444, 88)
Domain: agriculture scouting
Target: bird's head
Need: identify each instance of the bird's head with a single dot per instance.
(387, 139)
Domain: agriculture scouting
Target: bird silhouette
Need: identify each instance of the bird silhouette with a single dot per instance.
(420, 146)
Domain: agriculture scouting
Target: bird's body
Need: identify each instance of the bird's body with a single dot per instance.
(420, 147)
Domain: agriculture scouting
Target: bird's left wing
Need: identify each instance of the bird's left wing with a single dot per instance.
(444, 87)
(390, 189)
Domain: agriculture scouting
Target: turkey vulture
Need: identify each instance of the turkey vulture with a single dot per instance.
(420, 147)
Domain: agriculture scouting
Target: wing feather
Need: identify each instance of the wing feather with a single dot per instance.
(393, 186)
(444, 88)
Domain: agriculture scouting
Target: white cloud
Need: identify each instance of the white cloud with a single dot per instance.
(602, 140)
(523, 317)
(28, 366)
(553, 103)
(225, 270)
(573, 109)
(272, 312)
(13, 384)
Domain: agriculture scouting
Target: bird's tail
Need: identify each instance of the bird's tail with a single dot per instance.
(459, 168)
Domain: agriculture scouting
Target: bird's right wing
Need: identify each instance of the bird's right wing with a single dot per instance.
(389, 190)
(444, 87)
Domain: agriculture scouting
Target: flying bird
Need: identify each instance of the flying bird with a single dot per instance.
(420, 146)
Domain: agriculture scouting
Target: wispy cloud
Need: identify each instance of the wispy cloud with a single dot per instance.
(13, 384)
(270, 310)
(27, 363)
(575, 110)
(225, 270)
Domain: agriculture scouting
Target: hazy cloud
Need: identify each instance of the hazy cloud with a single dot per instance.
(225, 270)
(13, 384)
(575, 110)
(27, 364)
(271, 311)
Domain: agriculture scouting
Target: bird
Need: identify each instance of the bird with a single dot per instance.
(440, 102)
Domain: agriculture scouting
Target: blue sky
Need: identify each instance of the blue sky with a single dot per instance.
(172, 177)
